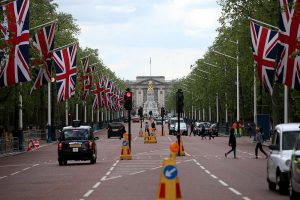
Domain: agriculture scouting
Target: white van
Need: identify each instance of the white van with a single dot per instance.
(283, 141)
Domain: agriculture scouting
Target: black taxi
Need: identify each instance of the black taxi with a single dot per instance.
(77, 142)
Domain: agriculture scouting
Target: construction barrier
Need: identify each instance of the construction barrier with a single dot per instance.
(152, 136)
(30, 145)
(169, 187)
(36, 143)
(141, 134)
(125, 151)
(146, 137)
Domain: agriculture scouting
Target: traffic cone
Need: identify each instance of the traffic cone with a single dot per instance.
(146, 137)
(36, 143)
(141, 133)
(152, 137)
(30, 145)
(181, 153)
(125, 151)
(169, 187)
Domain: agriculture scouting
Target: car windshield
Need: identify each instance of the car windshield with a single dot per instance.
(75, 134)
(288, 139)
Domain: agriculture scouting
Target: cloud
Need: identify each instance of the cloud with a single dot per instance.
(175, 33)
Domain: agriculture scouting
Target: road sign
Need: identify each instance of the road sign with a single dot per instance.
(170, 172)
(125, 143)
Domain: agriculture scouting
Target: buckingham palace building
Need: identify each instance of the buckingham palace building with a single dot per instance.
(143, 84)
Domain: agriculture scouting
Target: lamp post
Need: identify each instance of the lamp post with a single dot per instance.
(237, 77)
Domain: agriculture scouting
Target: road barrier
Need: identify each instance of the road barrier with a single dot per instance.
(152, 136)
(169, 187)
(125, 151)
(9, 145)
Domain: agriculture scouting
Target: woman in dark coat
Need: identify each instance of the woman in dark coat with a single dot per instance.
(232, 143)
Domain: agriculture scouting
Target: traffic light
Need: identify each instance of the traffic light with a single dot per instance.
(128, 100)
(162, 112)
(140, 112)
(150, 113)
(179, 101)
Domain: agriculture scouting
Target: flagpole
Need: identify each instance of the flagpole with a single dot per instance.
(20, 120)
(76, 111)
(150, 66)
(254, 97)
(255, 20)
(285, 104)
(92, 119)
(49, 139)
(67, 45)
(66, 110)
(85, 112)
(43, 25)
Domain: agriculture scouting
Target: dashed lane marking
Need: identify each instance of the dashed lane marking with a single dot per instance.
(96, 185)
(15, 173)
(137, 172)
(220, 181)
(169, 139)
(88, 193)
(2, 177)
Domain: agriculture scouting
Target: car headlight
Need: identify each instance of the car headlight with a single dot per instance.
(287, 162)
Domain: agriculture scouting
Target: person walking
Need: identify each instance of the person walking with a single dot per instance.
(232, 143)
(259, 141)
(146, 127)
(192, 128)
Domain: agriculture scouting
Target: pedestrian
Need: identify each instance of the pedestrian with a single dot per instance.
(202, 132)
(192, 128)
(232, 143)
(249, 129)
(241, 128)
(146, 127)
(259, 141)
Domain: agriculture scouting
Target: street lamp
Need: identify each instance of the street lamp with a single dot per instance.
(237, 77)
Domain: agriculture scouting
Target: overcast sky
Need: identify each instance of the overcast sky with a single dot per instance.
(174, 33)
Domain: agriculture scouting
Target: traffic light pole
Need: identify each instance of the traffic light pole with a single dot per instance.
(162, 126)
(129, 129)
(178, 133)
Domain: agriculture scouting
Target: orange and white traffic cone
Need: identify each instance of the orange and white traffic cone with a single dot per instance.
(125, 151)
(152, 138)
(30, 145)
(36, 143)
(169, 187)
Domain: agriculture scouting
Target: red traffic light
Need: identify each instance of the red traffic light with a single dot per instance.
(128, 94)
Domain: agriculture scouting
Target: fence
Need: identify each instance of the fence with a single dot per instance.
(9, 145)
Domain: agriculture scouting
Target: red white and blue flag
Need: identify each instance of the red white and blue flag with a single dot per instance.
(265, 47)
(66, 72)
(85, 62)
(107, 90)
(98, 100)
(43, 41)
(288, 70)
(15, 28)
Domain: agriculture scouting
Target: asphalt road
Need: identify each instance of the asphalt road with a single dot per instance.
(204, 173)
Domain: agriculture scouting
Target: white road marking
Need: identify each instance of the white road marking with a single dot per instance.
(103, 178)
(187, 154)
(112, 168)
(214, 176)
(223, 183)
(15, 173)
(135, 139)
(156, 167)
(114, 177)
(202, 167)
(116, 163)
(169, 139)
(26, 168)
(88, 193)
(108, 173)
(2, 177)
(234, 191)
(137, 172)
(96, 185)
(208, 172)
(246, 198)
(35, 165)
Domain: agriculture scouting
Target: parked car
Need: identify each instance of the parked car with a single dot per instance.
(278, 164)
(135, 119)
(171, 124)
(77, 142)
(115, 129)
(213, 129)
(158, 121)
(199, 125)
(294, 175)
(183, 128)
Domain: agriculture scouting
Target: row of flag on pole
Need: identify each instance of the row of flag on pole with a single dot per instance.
(275, 50)
(14, 60)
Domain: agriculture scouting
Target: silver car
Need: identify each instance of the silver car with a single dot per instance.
(295, 172)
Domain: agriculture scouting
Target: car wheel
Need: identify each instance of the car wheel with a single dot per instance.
(283, 187)
(60, 162)
(65, 162)
(93, 159)
(293, 195)
(272, 186)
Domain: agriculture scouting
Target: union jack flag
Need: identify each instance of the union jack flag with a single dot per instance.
(98, 100)
(66, 72)
(43, 42)
(15, 28)
(265, 47)
(85, 62)
(288, 70)
(107, 90)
